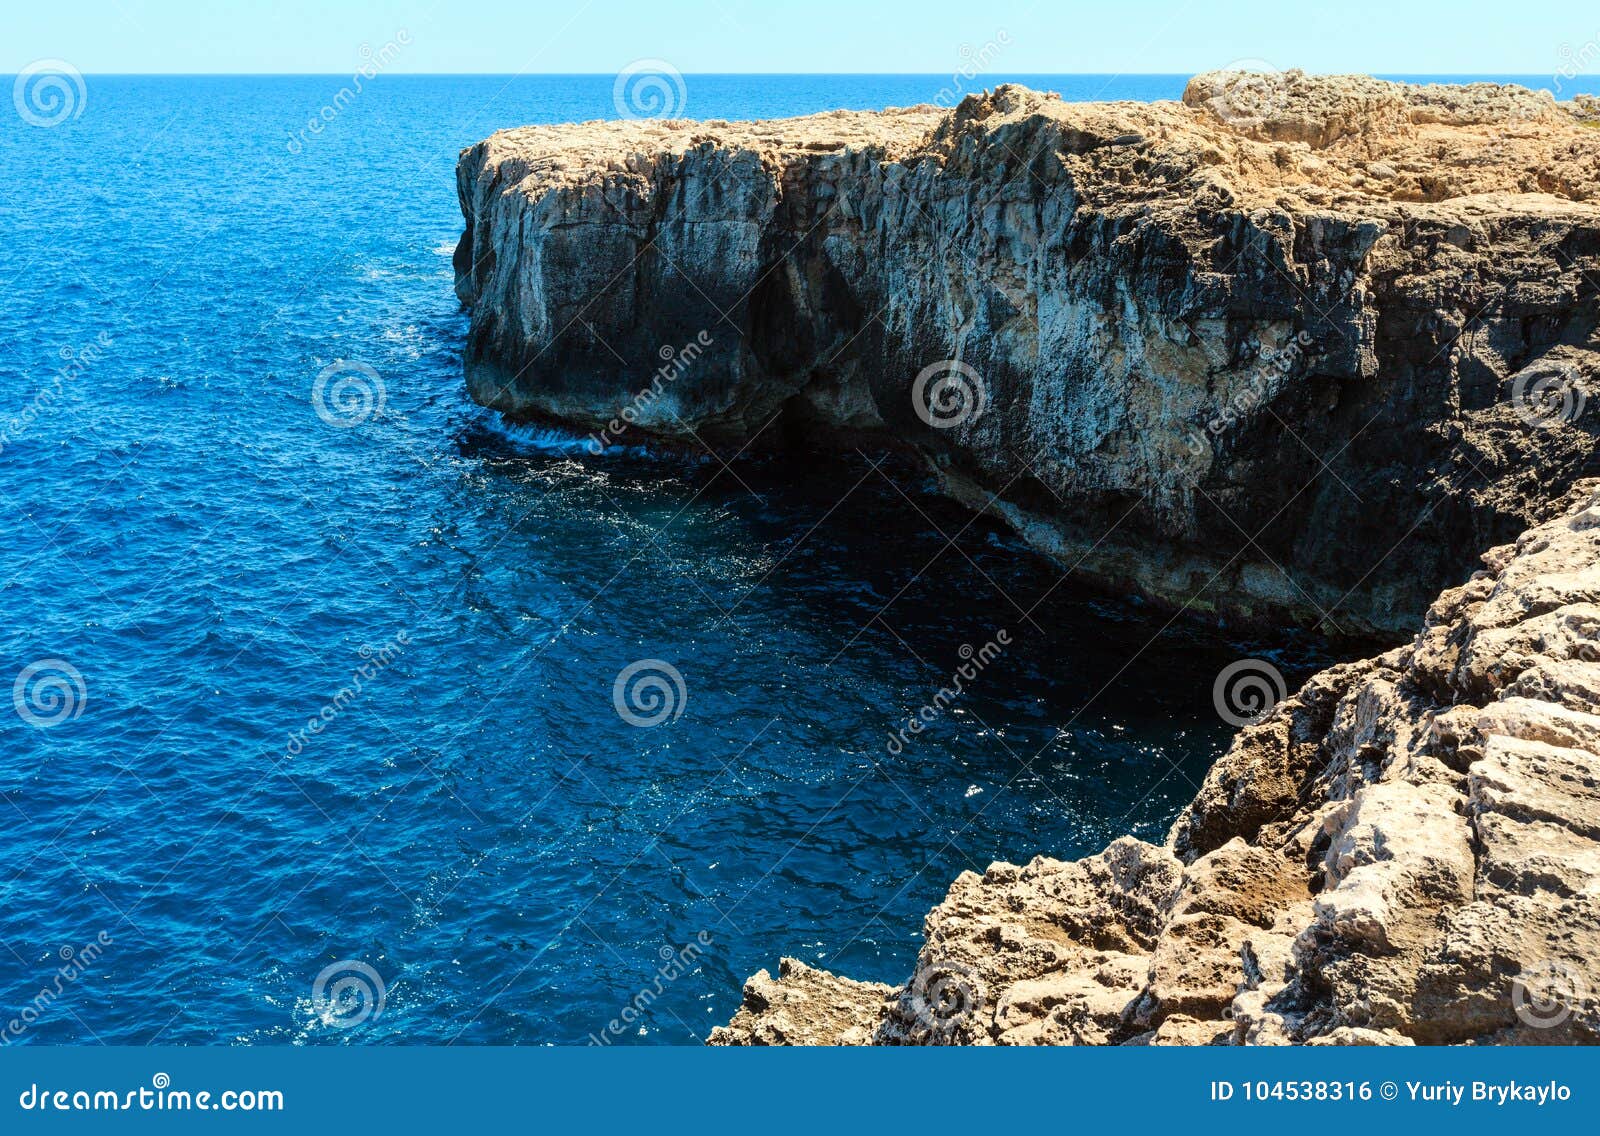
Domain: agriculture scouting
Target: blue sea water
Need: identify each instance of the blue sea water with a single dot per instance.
(197, 565)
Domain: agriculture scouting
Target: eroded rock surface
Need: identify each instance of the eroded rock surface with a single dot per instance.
(1405, 852)
(1293, 348)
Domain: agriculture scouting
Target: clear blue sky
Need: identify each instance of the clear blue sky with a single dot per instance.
(510, 36)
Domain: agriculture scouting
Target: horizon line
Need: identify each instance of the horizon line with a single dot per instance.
(774, 74)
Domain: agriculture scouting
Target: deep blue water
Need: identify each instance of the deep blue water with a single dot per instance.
(213, 562)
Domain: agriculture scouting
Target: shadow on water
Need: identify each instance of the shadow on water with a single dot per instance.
(826, 599)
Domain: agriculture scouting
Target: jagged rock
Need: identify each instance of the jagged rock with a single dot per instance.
(805, 1006)
(1422, 865)
(1292, 349)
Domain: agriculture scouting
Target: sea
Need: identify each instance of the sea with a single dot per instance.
(345, 713)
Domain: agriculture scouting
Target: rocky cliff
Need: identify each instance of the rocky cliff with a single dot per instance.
(1295, 348)
(1407, 851)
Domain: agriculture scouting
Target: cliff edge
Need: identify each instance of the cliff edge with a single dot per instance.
(1293, 349)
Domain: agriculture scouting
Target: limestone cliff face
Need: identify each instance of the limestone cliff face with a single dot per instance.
(1407, 851)
(1293, 349)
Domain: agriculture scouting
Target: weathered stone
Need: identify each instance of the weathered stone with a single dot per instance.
(805, 1006)
(1264, 353)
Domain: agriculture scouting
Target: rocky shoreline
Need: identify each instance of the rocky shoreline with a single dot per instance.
(1407, 851)
(1296, 349)
(1287, 354)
